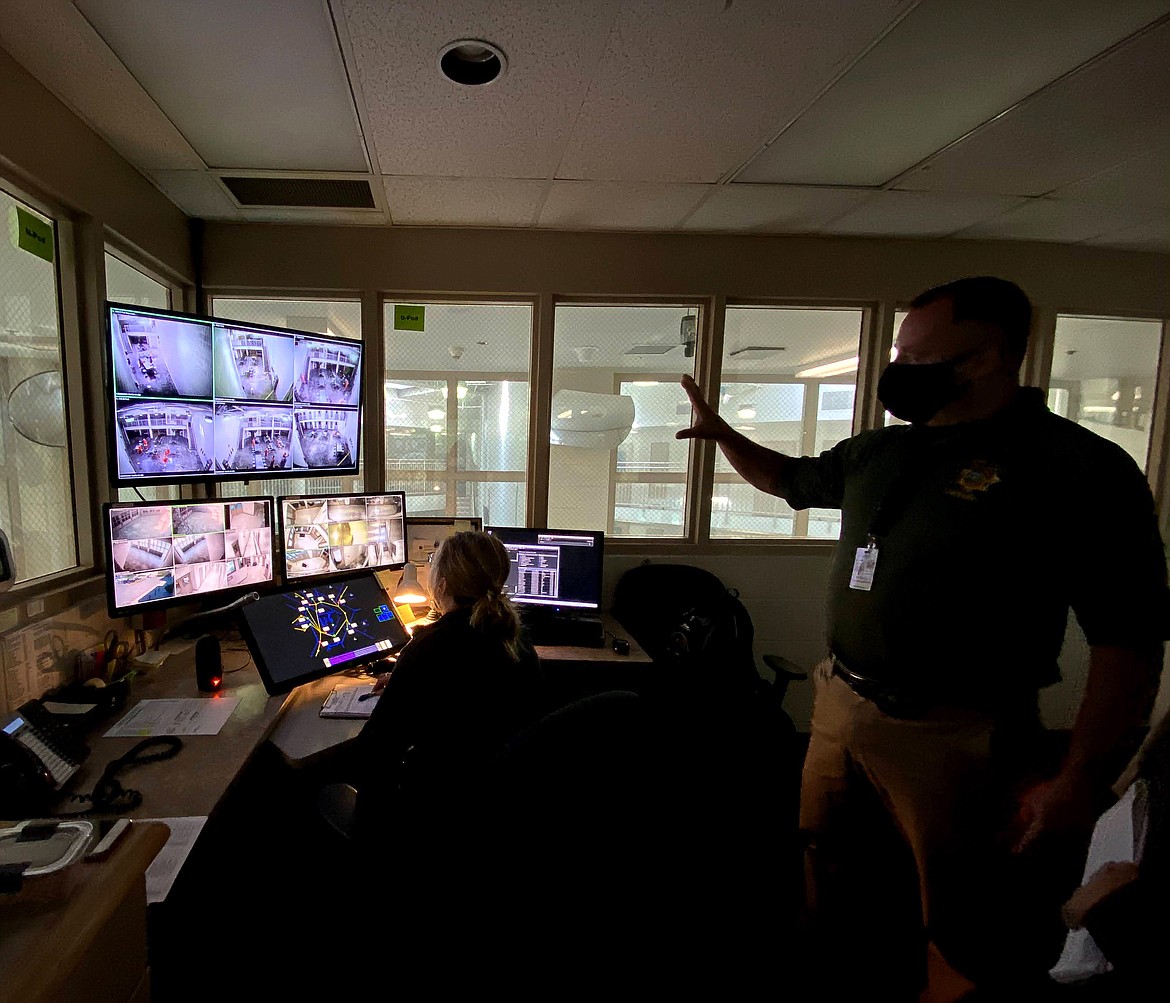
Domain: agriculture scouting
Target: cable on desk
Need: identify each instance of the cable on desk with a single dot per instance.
(109, 796)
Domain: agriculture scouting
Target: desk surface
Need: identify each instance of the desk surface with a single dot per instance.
(194, 781)
(83, 936)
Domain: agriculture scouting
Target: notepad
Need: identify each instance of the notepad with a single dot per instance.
(343, 701)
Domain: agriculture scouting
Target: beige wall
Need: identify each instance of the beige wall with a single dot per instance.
(47, 148)
(783, 589)
(1069, 279)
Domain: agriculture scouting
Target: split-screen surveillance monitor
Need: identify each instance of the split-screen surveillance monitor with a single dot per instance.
(201, 397)
(553, 570)
(164, 553)
(326, 535)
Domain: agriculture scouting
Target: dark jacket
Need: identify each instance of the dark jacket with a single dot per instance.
(454, 698)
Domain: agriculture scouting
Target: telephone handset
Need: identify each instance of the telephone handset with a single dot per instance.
(36, 760)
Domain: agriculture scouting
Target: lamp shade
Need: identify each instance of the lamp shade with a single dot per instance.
(409, 590)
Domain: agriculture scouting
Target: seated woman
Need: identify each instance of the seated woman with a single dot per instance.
(461, 687)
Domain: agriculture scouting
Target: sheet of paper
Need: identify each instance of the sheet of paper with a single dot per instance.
(1112, 842)
(345, 701)
(161, 873)
(54, 707)
(186, 716)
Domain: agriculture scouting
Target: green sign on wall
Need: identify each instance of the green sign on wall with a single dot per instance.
(34, 235)
(409, 318)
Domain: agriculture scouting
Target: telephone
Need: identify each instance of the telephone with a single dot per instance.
(37, 756)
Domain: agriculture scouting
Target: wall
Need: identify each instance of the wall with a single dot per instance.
(54, 156)
(784, 588)
(44, 145)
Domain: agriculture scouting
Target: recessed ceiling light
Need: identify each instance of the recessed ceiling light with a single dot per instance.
(472, 62)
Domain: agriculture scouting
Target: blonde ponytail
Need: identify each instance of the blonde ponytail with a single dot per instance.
(474, 568)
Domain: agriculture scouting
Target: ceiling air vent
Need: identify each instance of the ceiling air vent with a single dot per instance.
(324, 193)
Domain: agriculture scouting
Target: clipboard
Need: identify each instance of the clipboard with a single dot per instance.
(344, 701)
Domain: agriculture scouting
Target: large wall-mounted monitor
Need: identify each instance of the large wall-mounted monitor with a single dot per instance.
(317, 629)
(161, 554)
(196, 398)
(325, 535)
(553, 570)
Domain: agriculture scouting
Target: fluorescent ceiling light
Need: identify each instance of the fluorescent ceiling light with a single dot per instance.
(398, 386)
(1099, 409)
(830, 368)
(436, 428)
(747, 413)
(645, 383)
(435, 414)
(746, 428)
(650, 349)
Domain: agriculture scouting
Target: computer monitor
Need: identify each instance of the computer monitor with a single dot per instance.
(193, 397)
(557, 571)
(160, 554)
(328, 535)
(318, 629)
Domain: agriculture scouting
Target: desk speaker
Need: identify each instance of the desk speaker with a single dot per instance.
(208, 664)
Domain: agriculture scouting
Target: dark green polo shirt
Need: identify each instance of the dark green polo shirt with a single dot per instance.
(990, 532)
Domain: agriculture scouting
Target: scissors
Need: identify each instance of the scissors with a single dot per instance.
(114, 655)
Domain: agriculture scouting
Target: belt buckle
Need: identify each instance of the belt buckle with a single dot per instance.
(890, 701)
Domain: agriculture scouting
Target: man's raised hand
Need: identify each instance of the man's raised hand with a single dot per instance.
(707, 424)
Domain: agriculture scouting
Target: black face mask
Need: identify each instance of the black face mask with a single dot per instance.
(917, 393)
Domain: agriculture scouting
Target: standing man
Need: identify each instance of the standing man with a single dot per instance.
(966, 537)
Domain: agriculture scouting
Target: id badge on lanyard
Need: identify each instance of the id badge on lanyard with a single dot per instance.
(864, 566)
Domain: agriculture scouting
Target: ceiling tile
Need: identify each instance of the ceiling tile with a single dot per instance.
(422, 124)
(463, 201)
(1087, 123)
(605, 205)
(257, 85)
(912, 93)
(51, 40)
(1054, 220)
(918, 214)
(197, 193)
(772, 208)
(686, 90)
(1153, 234)
(1143, 180)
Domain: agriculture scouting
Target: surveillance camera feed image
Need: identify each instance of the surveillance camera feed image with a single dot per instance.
(329, 535)
(166, 552)
(199, 396)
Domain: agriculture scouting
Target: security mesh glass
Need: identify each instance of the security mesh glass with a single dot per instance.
(126, 284)
(788, 382)
(456, 387)
(336, 318)
(1103, 376)
(36, 502)
(615, 464)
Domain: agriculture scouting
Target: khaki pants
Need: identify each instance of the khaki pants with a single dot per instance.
(906, 829)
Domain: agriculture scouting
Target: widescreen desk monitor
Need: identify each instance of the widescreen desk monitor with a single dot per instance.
(319, 629)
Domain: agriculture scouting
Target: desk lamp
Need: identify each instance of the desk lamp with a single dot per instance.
(409, 591)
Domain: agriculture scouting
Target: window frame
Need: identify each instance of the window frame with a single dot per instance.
(80, 582)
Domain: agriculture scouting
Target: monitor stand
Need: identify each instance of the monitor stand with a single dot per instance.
(560, 629)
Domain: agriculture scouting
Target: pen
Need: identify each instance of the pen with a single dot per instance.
(368, 696)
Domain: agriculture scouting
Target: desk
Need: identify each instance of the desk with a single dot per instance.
(87, 939)
(304, 738)
(194, 782)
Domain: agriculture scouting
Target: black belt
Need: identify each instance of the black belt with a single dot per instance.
(1013, 705)
(893, 701)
